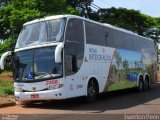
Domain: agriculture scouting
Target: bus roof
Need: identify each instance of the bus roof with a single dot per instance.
(74, 16)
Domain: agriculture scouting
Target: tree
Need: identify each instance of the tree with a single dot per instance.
(4, 3)
(12, 18)
(153, 33)
(52, 7)
(7, 45)
(157, 22)
(128, 19)
(14, 14)
(83, 6)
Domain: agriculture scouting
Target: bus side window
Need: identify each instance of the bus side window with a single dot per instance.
(74, 32)
(95, 34)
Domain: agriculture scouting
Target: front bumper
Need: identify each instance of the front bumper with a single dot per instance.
(40, 95)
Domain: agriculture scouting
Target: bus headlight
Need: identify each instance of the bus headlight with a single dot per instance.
(18, 89)
(55, 86)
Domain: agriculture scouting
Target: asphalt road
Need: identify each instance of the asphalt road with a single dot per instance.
(113, 105)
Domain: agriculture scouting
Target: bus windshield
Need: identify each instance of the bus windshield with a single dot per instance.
(36, 64)
(41, 32)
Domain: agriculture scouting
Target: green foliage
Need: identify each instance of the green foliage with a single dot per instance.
(158, 22)
(128, 19)
(19, 17)
(6, 87)
(7, 45)
(72, 11)
(15, 14)
(51, 7)
(4, 22)
(83, 6)
(6, 73)
(4, 3)
(6, 91)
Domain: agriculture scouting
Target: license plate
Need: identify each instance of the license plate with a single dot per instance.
(35, 96)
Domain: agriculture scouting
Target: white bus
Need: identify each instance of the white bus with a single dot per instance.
(65, 56)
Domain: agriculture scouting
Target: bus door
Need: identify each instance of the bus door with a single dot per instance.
(73, 57)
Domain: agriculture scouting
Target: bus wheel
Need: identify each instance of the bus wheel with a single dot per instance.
(92, 91)
(146, 84)
(141, 84)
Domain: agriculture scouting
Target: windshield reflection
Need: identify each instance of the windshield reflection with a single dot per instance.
(36, 64)
(41, 32)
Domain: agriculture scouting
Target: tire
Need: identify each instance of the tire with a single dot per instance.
(92, 91)
(141, 84)
(146, 84)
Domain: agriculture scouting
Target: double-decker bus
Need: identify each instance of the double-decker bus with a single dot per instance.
(65, 56)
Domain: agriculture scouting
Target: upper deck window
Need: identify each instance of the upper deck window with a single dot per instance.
(41, 32)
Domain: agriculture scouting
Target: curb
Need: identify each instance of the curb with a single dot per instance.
(7, 104)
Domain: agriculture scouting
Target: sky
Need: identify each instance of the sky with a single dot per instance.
(148, 7)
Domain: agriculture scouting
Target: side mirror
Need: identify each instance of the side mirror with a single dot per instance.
(3, 57)
(58, 52)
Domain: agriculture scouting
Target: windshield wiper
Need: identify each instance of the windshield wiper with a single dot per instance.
(44, 74)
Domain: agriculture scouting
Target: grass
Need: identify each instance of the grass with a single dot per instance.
(6, 73)
(6, 87)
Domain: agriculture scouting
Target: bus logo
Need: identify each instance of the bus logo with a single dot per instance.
(51, 82)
